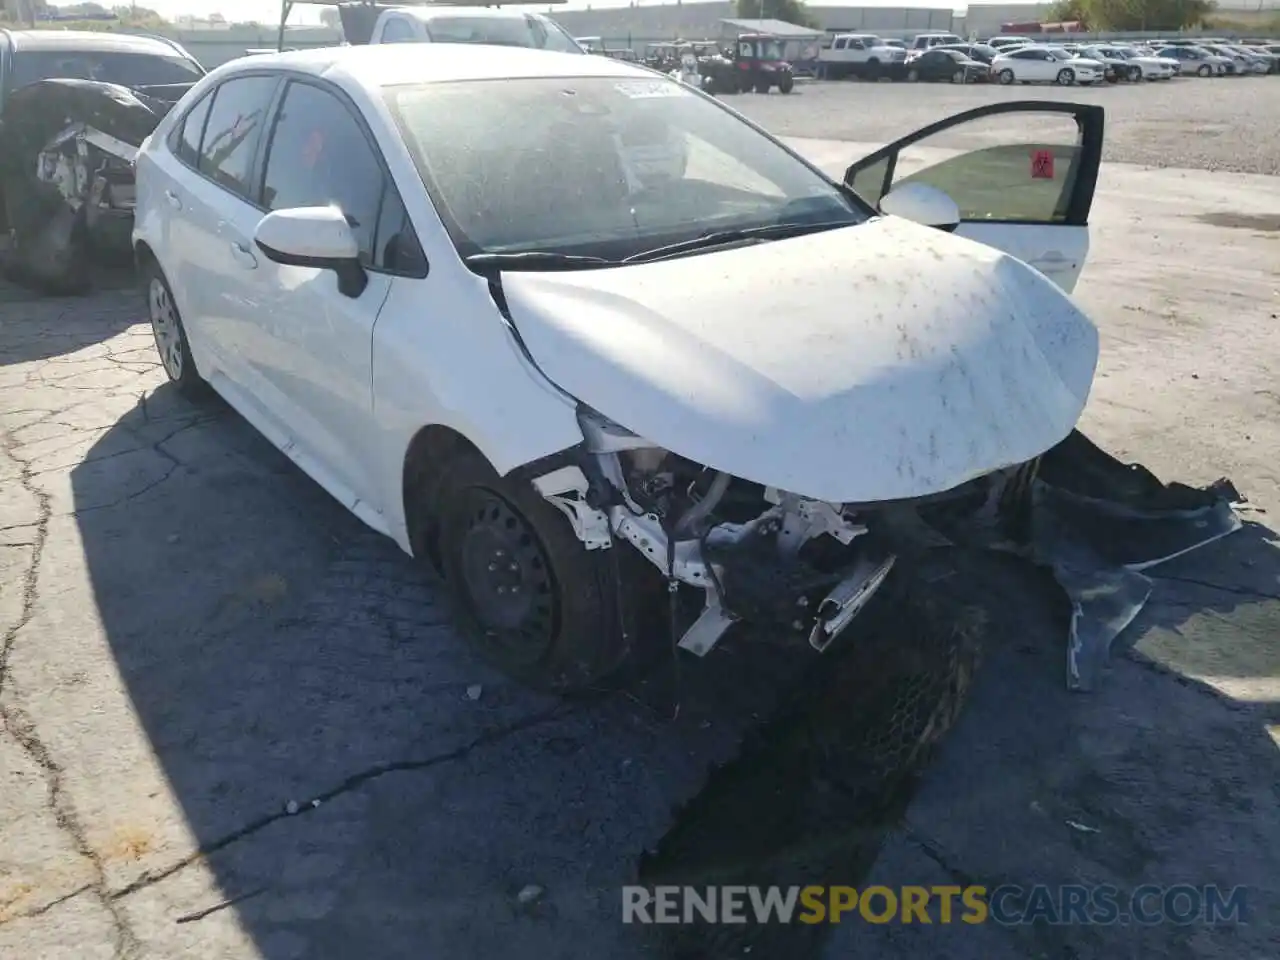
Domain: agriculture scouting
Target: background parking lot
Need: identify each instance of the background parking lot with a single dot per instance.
(237, 724)
(1231, 123)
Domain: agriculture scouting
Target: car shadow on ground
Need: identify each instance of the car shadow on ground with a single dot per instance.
(68, 327)
(362, 785)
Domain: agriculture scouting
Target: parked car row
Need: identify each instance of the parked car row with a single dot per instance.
(1008, 60)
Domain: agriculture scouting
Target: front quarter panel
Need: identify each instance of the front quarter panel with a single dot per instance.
(444, 356)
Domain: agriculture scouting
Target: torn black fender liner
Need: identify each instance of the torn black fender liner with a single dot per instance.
(1097, 522)
(61, 138)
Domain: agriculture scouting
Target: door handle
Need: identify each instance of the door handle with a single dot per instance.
(243, 255)
(174, 200)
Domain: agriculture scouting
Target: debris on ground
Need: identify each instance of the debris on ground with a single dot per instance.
(530, 893)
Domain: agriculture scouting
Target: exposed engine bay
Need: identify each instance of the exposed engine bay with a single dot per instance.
(803, 568)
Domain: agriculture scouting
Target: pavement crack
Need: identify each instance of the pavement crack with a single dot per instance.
(349, 784)
(44, 908)
(934, 852)
(23, 730)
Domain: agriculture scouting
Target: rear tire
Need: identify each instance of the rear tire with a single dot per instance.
(170, 334)
(1205, 70)
(1006, 76)
(527, 595)
(786, 84)
(1066, 77)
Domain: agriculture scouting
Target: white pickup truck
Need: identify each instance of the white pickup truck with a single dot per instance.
(444, 23)
(859, 55)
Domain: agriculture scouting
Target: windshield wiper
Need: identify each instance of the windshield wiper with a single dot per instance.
(770, 231)
(535, 260)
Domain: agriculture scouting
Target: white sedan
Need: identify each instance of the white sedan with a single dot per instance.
(1143, 67)
(570, 331)
(1040, 64)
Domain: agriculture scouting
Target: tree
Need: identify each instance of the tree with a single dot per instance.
(790, 11)
(1134, 14)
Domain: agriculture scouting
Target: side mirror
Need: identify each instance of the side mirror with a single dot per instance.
(922, 203)
(318, 237)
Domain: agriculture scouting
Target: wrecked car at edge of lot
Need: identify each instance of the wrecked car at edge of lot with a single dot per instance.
(74, 111)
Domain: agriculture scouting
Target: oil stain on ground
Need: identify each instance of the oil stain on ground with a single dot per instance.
(1265, 222)
(813, 792)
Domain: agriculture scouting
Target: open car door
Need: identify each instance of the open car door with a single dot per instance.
(1022, 174)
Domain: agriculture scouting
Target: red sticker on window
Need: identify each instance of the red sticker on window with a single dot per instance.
(312, 148)
(1042, 165)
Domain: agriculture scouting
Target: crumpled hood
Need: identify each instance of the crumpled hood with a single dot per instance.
(874, 362)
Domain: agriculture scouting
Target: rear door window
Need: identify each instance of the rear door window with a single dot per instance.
(186, 143)
(233, 129)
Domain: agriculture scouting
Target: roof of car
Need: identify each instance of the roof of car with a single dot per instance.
(86, 40)
(382, 65)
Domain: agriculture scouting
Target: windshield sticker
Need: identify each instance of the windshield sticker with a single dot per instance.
(643, 89)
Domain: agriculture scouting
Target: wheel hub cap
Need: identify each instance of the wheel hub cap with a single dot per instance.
(165, 328)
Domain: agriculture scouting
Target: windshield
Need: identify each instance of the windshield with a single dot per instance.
(110, 66)
(603, 166)
(768, 49)
(526, 30)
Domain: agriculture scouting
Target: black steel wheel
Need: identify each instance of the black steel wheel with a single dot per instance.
(505, 578)
(526, 592)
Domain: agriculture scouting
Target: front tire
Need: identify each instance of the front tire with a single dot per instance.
(1205, 70)
(170, 334)
(913, 75)
(1066, 77)
(1006, 76)
(786, 84)
(528, 596)
(1135, 74)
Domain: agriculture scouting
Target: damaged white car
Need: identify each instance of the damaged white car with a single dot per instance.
(570, 331)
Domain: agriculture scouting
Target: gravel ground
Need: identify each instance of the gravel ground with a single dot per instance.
(1227, 124)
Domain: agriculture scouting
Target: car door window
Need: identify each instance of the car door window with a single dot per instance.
(397, 30)
(186, 141)
(320, 155)
(232, 131)
(1028, 175)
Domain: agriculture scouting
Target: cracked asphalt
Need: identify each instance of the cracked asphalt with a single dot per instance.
(236, 723)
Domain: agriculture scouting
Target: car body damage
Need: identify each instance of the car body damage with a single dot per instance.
(66, 170)
(779, 471)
